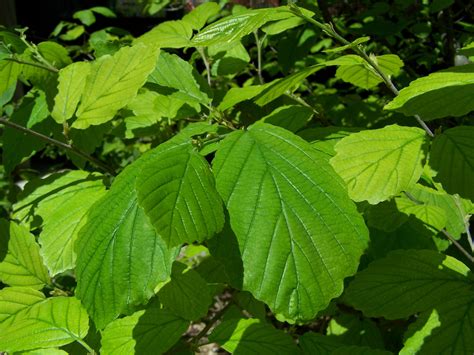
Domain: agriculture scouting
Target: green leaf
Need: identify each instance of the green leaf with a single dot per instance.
(353, 44)
(14, 301)
(187, 294)
(286, 24)
(54, 322)
(467, 50)
(359, 350)
(301, 223)
(448, 327)
(251, 336)
(233, 28)
(290, 117)
(72, 80)
(385, 216)
(173, 72)
(285, 85)
(169, 34)
(9, 72)
(48, 351)
(407, 282)
(85, 16)
(20, 260)
(62, 201)
(151, 331)
(355, 70)
(39, 111)
(445, 93)
(433, 217)
(201, 14)
(237, 95)
(325, 139)
(104, 11)
(452, 156)
(55, 54)
(120, 258)
(177, 191)
(73, 33)
(380, 163)
(112, 83)
(315, 343)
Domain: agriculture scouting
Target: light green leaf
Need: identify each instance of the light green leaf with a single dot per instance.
(151, 331)
(407, 282)
(448, 327)
(112, 83)
(187, 294)
(467, 50)
(290, 117)
(286, 24)
(448, 92)
(201, 14)
(40, 111)
(433, 217)
(173, 72)
(21, 263)
(72, 80)
(120, 258)
(355, 70)
(104, 11)
(380, 163)
(177, 191)
(62, 202)
(452, 156)
(325, 139)
(237, 95)
(14, 301)
(285, 85)
(9, 72)
(54, 322)
(251, 336)
(73, 33)
(353, 44)
(233, 28)
(303, 235)
(315, 343)
(169, 34)
(55, 54)
(48, 351)
(85, 16)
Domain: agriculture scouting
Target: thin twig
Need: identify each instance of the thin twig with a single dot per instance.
(259, 56)
(60, 144)
(206, 64)
(33, 64)
(358, 49)
(459, 246)
(195, 340)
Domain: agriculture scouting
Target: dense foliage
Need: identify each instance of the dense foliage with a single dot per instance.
(251, 179)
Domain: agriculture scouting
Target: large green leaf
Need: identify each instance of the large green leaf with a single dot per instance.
(20, 260)
(62, 201)
(448, 92)
(14, 301)
(452, 156)
(9, 72)
(112, 83)
(298, 232)
(173, 72)
(169, 34)
(120, 257)
(233, 28)
(54, 322)
(237, 95)
(72, 80)
(187, 294)
(380, 163)
(432, 217)
(447, 329)
(407, 282)
(151, 331)
(177, 192)
(201, 14)
(251, 336)
(315, 343)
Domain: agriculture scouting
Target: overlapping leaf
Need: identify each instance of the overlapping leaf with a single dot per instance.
(14, 301)
(380, 163)
(292, 217)
(169, 34)
(112, 83)
(9, 72)
(448, 92)
(452, 157)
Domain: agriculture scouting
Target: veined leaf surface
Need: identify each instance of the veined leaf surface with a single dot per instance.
(380, 163)
(298, 232)
(16, 300)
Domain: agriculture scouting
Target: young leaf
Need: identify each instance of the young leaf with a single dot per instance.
(251, 336)
(169, 34)
(177, 191)
(54, 322)
(448, 92)
(173, 72)
(9, 72)
(237, 95)
(72, 80)
(14, 301)
(407, 282)
(293, 219)
(120, 258)
(62, 201)
(380, 163)
(112, 83)
(201, 14)
(151, 331)
(20, 261)
(452, 156)
(187, 294)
